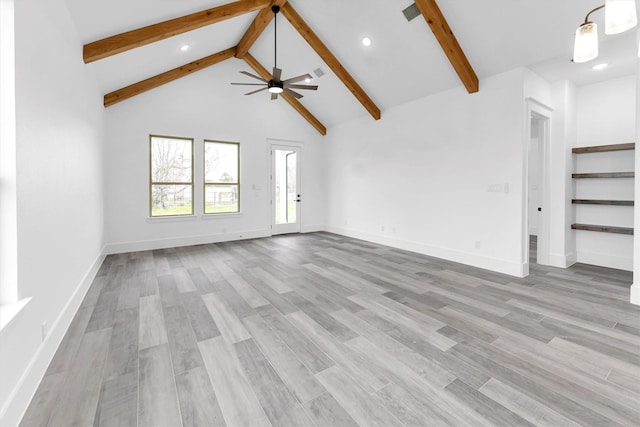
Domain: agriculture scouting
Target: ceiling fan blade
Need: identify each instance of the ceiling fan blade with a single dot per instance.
(290, 92)
(307, 87)
(248, 84)
(277, 73)
(246, 73)
(298, 78)
(256, 91)
(274, 96)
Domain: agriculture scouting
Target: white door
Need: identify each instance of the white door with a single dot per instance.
(285, 189)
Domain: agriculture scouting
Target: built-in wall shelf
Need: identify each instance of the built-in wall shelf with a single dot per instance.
(602, 202)
(603, 228)
(603, 148)
(604, 175)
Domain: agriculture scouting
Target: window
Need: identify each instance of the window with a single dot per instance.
(171, 176)
(221, 177)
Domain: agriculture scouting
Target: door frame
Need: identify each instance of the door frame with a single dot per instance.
(542, 112)
(298, 147)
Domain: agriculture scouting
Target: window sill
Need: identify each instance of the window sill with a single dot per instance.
(9, 311)
(220, 215)
(161, 219)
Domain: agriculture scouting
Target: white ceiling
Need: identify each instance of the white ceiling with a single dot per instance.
(404, 62)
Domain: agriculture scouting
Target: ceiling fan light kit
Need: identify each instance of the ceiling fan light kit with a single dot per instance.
(275, 85)
(619, 16)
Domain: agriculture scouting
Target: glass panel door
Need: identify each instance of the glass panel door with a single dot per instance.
(285, 182)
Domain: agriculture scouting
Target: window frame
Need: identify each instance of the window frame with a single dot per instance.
(152, 183)
(220, 184)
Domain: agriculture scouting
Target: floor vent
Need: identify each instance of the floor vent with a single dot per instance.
(411, 12)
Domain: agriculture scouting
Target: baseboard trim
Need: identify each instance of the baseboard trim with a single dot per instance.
(174, 242)
(489, 263)
(605, 260)
(20, 397)
(634, 297)
(312, 228)
(562, 260)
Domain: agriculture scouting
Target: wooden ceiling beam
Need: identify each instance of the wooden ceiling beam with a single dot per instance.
(166, 77)
(262, 72)
(440, 28)
(142, 36)
(261, 21)
(314, 41)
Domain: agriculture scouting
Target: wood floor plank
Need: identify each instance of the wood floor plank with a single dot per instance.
(398, 352)
(398, 315)
(228, 323)
(44, 401)
(305, 349)
(325, 411)
(198, 402)
(183, 280)
(152, 326)
(63, 359)
(245, 290)
(200, 318)
(168, 290)
(79, 395)
(270, 280)
(526, 407)
(157, 398)
(185, 354)
(294, 373)
(355, 400)
(491, 410)
(412, 411)
(118, 405)
(278, 403)
(409, 380)
(231, 385)
(364, 374)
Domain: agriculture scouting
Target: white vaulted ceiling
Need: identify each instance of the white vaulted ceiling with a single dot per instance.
(404, 62)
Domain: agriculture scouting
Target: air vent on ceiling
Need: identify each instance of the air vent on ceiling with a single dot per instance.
(411, 12)
(318, 72)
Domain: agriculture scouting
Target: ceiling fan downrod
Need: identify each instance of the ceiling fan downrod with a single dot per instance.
(275, 10)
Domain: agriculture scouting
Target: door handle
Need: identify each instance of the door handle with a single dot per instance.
(298, 199)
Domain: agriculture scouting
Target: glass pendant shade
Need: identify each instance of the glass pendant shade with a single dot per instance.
(619, 16)
(586, 42)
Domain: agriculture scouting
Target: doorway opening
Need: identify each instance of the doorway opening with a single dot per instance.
(537, 226)
(286, 194)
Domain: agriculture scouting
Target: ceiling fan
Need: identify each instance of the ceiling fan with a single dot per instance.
(275, 85)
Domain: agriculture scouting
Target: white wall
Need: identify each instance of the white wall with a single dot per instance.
(606, 115)
(59, 124)
(419, 178)
(204, 106)
(562, 252)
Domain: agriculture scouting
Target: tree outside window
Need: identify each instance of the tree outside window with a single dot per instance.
(221, 177)
(171, 176)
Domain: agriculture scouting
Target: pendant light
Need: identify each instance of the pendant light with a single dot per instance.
(585, 47)
(620, 16)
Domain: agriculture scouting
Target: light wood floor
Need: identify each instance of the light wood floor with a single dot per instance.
(319, 329)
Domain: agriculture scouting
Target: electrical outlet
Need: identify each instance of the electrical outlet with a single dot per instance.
(45, 329)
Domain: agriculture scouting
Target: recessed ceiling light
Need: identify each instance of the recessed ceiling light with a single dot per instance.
(600, 66)
(366, 41)
(184, 47)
